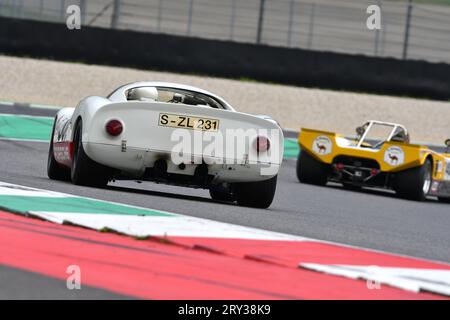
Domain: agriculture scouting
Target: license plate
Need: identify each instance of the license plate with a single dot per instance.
(188, 122)
(358, 174)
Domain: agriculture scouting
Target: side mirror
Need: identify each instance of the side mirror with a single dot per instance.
(447, 143)
(360, 131)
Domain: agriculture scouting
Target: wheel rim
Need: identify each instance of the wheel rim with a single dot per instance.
(427, 178)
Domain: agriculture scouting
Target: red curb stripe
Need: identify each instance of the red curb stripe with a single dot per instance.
(148, 269)
(291, 253)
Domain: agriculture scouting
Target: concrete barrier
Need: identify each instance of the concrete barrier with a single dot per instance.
(225, 59)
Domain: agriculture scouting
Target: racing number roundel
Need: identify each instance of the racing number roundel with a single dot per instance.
(394, 156)
(322, 145)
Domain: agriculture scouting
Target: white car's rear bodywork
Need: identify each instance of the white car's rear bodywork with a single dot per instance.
(144, 141)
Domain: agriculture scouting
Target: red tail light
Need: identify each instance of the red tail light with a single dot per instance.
(374, 172)
(262, 144)
(114, 127)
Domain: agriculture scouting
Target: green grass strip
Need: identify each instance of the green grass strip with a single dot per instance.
(25, 127)
(291, 148)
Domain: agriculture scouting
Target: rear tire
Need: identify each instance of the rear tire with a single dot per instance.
(311, 171)
(256, 194)
(414, 184)
(85, 171)
(56, 171)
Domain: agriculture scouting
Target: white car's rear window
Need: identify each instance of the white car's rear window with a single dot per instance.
(172, 95)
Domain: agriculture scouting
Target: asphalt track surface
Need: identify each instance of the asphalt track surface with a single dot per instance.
(18, 284)
(369, 218)
(372, 219)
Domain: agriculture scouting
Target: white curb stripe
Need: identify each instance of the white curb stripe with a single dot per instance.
(412, 279)
(8, 189)
(140, 226)
(179, 226)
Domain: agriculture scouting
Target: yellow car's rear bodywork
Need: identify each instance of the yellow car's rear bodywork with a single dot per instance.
(389, 158)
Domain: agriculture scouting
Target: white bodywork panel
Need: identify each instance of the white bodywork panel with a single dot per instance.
(146, 141)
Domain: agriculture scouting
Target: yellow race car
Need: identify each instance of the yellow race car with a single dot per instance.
(380, 156)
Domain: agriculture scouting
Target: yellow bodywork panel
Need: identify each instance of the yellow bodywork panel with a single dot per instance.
(391, 156)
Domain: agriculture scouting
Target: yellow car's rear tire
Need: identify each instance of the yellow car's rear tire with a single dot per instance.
(414, 184)
(311, 171)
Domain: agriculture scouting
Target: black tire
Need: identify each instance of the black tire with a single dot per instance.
(444, 200)
(221, 194)
(414, 184)
(56, 171)
(312, 171)
(84, 170)
(256, 194)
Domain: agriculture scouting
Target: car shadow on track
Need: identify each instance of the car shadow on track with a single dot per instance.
(367, 191)
(377, 192)
(190, 198)
(166, 195)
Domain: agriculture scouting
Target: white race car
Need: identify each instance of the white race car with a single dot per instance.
(168, 133)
